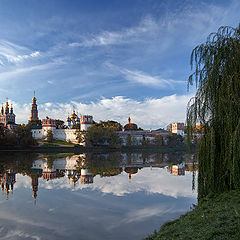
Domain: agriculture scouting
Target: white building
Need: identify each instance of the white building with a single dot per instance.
(69, 135)
(139, 136)
(177, 128)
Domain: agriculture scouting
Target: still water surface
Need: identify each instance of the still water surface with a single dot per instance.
(90, 196)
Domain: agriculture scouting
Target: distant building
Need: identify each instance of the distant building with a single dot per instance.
(84, 121)
(7, 117)
(177, 128)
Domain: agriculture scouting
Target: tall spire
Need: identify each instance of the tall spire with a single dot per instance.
(2, 110)
(11, 109)
(34, 111)
(7, 107)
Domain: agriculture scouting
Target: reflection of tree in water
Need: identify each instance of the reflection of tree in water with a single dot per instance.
(50, 160)
(21, 163)
(13, 163)
(104, 164)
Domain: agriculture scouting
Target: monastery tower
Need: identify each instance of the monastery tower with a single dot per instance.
(34, 111)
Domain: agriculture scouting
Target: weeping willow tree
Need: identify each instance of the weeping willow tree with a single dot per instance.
(216, 105)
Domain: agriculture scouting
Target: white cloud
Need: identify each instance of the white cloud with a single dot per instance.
(15, 72)
(113, 38)
(139, 77)
(13, 53)
(149, 113)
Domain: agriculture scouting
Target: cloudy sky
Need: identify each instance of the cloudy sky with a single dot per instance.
(109, 58)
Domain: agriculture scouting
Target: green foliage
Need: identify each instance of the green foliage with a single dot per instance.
(20, 136)
(116, 126)
(217, 107)
(104, 164)
(35, 122)
(23, 135)
(60, 124)
(129, 140)
(98, 135)
(49, 136)
(216, 217)
(158, 141)
(175, 140)
(50, 160)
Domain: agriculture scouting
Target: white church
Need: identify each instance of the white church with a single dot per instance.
(69, 134)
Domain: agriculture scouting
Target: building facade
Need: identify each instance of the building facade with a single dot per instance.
(68, 135)
(178, 128)
(7, 117)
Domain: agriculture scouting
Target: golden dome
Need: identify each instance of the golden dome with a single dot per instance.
(73, 116)
(34, 99)
(7, 105)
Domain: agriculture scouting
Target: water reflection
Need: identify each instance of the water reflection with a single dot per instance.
(123, 191)
(81, 169)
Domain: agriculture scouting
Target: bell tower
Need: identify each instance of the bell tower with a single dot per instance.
(34, 111)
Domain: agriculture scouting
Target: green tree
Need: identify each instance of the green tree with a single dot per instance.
(216, 106)
(175, 140)
(97, 135)
(60, 124)
(116, 126)
(129, 140)
(49, 136)
(23, 135)
(35, 122)
(158, 141)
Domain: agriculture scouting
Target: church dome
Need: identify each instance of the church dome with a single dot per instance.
(130, 126)
(131, 170)
(73, 116)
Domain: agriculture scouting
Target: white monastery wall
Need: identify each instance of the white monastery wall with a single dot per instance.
(58, 134)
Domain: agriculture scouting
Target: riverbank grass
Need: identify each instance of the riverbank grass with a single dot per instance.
(216, 217)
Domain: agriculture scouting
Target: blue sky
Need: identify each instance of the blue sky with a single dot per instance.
(110, 59)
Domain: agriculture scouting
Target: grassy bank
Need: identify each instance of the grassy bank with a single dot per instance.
(215, 217)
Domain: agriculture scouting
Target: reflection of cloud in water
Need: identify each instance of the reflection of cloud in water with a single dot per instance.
(153, 181)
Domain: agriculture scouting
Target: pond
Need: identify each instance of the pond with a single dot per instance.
(93, 196)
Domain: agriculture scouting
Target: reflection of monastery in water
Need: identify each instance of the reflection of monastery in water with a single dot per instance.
(71, 167)
(177, 170)
(7, 180)
(81, 169)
